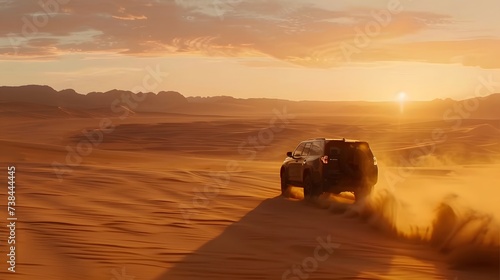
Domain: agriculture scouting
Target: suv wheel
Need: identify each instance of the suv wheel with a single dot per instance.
(284, 183)
(363, 192)
(311, 190)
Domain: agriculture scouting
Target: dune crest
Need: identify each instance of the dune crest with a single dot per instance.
(188, 196)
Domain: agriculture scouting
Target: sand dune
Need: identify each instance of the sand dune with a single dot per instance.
(178, 196)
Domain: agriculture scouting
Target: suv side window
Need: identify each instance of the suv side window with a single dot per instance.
(298, 150)
(307, 147)
(315, 149)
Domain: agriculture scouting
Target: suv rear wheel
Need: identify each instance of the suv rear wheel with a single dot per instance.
(363, 192)
(284, 183)
(311, 190)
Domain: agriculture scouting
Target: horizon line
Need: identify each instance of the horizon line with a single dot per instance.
(248, 98)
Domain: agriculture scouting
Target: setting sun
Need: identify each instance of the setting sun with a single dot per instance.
(402, 99)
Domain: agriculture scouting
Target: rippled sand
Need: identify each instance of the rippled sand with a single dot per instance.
(194, 197)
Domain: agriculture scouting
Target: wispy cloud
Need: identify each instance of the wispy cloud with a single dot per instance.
(297, 32)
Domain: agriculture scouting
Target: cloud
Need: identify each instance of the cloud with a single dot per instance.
(290, 31)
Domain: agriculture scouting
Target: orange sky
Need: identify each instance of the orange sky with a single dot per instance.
(295, 49)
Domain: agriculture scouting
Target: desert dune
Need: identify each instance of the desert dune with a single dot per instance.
(194, 194)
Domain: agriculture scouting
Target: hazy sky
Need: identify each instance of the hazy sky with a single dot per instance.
(294, 49)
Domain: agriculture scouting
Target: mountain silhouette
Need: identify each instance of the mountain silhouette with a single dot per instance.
(175, 102)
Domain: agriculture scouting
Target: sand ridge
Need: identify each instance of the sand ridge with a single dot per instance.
(168, 196)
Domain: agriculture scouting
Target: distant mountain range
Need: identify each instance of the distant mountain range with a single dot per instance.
(45, 95)
(174, 102)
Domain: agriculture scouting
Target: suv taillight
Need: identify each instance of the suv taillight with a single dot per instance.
(324, 159)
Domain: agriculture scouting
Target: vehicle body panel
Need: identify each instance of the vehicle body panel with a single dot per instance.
(336, 164)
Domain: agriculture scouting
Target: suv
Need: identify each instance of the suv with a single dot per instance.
(330, 165)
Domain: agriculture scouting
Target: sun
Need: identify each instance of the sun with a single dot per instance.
(402, 96)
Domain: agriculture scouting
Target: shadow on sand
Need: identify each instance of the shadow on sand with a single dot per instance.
(277, 238)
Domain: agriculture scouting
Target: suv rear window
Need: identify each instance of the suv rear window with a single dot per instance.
(350, 151)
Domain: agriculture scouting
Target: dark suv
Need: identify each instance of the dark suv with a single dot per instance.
(330, 165)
